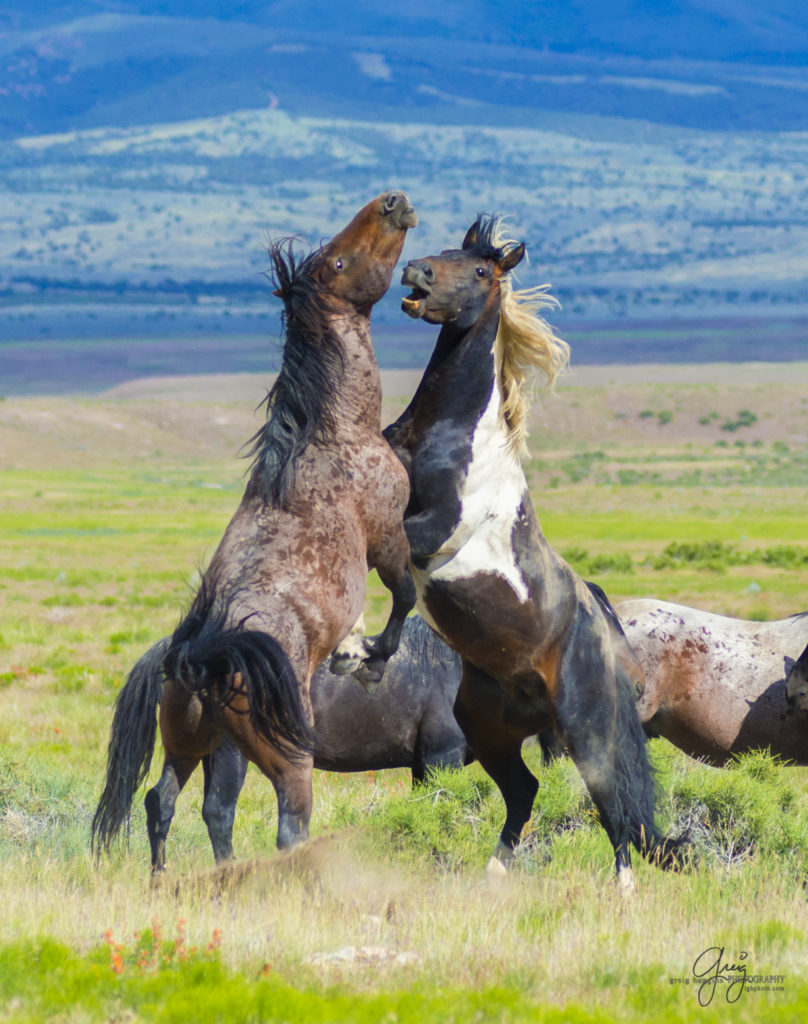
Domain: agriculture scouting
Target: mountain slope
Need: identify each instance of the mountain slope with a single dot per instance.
(724, 65)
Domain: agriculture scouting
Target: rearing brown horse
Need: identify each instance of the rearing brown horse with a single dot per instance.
(324, 502)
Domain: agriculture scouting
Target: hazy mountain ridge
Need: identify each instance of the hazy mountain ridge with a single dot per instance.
(153, 148)
(84, 65)
(695, 223)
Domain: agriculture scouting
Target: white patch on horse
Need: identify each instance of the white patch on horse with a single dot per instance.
(490, 499)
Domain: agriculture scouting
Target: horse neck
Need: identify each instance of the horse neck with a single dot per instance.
(460, 375)
(358, 401)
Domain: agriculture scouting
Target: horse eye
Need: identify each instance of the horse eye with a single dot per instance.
(480, 271)
(338, 266)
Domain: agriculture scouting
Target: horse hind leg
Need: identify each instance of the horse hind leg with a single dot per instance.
(291, 779)
(595, 762)
(160, 803)
(225, 769)
(294, 792)
(480, 709)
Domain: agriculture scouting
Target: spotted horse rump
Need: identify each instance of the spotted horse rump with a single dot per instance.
(717, 686)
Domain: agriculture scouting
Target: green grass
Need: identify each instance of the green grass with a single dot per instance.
(99, 551)
(43, 980)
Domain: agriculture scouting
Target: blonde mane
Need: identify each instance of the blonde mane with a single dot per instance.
(526, 347)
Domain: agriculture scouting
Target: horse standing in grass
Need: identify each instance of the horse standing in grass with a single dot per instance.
(715, 686)
(324, 502)
(535, 644)
(407, 722)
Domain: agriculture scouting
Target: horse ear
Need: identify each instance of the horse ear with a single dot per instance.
(278, 293)
(512, 258)
(472, 236)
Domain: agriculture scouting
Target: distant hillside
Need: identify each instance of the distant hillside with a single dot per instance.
(725, 64)
(655, 163)
(168, 223)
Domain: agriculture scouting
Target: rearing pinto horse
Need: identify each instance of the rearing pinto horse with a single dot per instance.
(535, 644)
(324, 502)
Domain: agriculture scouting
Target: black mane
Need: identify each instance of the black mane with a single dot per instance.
(487, 229)
(300, 401)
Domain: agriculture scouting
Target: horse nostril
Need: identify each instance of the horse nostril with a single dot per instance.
(427, 271)
(391, 201)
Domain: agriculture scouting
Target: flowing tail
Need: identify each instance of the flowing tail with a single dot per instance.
(131, 744)
(205, 656)
(634, 777)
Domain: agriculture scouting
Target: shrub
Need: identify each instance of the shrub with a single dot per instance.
(586, 564)
(454, 818)
(745, 418)
(750, 808)
(708, 554)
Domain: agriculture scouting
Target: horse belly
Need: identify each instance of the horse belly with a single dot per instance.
(480, 615)
(358, 731)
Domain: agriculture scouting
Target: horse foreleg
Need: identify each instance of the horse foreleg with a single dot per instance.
(392, 563)
(427, 530)
(495, 731)
(439, 742)
(797, 683)
(225, 769)
(160, 803)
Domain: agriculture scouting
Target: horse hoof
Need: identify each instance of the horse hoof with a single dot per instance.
(495, 868)
(626, 882)
(157, 879)
(370, 672)
(344, 664)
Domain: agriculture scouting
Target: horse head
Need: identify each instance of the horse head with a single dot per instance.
(356, 267)
(464, 287)
(454, 287)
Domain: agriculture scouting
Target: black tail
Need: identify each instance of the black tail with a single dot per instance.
(635, 779)
(131, 744)
(204, 655)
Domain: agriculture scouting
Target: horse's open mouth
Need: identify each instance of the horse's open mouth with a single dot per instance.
(412, 304)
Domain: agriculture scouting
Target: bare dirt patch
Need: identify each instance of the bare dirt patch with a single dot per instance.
(210, 416)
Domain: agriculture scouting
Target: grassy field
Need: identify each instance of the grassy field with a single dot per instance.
(687, 484)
